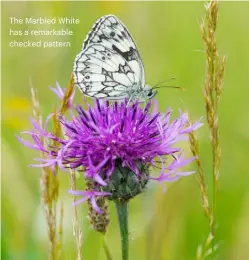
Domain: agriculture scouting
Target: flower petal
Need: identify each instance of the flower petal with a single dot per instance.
(95, 205)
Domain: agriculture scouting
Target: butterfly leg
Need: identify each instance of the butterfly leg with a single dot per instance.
(130, 100)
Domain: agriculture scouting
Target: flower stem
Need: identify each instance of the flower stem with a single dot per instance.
(122, 210)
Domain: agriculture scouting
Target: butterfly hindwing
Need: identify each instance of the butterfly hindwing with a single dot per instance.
(117, 73)
(101, 72)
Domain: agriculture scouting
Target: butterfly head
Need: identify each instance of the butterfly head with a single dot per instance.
(141, 94)
(149, 92)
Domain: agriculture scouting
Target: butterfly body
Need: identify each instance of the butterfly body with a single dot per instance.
(109, 65)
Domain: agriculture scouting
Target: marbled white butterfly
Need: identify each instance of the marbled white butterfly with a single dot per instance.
(109, 65)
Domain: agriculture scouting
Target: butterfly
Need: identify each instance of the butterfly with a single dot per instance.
(109, 65)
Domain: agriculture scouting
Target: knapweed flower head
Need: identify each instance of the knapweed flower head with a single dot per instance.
(118, 145)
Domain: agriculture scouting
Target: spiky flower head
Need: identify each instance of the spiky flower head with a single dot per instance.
(118, 145)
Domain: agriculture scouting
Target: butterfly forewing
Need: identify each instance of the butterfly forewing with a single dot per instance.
(109, 64)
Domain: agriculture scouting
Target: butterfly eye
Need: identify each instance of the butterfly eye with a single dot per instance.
(150, 93)
(87, 77)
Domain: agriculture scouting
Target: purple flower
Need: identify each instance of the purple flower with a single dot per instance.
(118, 145)
(86, 195)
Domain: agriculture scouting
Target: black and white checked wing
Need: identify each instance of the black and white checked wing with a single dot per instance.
(102, 73)
(109, 64)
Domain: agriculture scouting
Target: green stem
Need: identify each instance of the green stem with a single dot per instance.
(122, 210)
(106, 249)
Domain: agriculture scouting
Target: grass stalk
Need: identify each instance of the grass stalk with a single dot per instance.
(76, 226)
(49, 182)
(77, 232)
(212, 92)
(106, 248)
(49, 191)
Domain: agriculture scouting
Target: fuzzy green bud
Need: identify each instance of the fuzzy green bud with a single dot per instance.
(124, 183)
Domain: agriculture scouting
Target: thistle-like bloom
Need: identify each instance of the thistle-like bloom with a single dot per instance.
(117, 145)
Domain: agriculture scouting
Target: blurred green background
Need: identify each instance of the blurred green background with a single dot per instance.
(166, 226)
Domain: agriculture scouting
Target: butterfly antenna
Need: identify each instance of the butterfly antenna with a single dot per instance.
(179, 87)
(172, 78)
